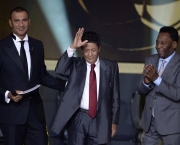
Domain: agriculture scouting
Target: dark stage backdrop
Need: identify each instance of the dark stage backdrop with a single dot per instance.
(128, 28)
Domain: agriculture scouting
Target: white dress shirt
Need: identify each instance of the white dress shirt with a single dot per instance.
(85, 96)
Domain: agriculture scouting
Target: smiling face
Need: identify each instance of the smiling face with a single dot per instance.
(19, 22)
(91, 52)
(165, 46)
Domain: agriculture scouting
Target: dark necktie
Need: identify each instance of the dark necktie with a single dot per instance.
(92, 93)
(23, 57)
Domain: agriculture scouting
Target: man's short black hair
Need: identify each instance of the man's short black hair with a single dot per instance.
(92, 37)
(172, 32)
(18, 9)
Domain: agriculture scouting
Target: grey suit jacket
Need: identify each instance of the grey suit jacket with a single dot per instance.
(165, 98)
(109, 98)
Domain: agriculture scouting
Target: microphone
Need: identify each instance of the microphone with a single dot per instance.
(31, 49)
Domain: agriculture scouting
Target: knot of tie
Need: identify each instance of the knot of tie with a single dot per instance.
(92, 66)
(22, 43)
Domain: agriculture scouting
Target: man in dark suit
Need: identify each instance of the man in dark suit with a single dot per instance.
(88, 125)
(22, 118)
(161, 85)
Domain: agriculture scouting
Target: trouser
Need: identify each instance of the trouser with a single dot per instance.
(82, 129)
(32, 132)
(152, 137)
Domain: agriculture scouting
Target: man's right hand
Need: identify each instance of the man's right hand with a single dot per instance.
(77, 39)
(16, 98)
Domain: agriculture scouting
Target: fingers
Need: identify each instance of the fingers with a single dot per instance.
(84, 42)
(113, 133)
(113, 130)
(148, 69)
(77, 40)
(150, 72)
(79, 33)
(17, 98)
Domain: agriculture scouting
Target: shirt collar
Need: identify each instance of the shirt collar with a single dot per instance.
(96, 63)
(17, 39)
(168, 58)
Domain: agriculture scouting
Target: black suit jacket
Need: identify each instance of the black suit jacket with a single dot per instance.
(109, 98)
(13, 77)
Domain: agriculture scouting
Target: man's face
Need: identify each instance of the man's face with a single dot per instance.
(19, 22)
(165, 46)
(90, 52)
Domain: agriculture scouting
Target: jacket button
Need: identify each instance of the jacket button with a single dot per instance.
(150, 108)
(154, 97)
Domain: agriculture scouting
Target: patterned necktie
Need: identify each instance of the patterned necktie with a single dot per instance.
(23, 57)
(92, 93)
(162, 67)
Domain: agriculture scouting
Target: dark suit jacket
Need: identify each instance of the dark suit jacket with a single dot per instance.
(165, 98)
(13, 77)
(109, 97)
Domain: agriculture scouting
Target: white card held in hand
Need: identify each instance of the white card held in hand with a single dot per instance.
(29, 90)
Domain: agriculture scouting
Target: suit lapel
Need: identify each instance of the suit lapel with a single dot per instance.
(11, 49)
(155, 61)
(81, 75)
(174, 60)
(103, 82)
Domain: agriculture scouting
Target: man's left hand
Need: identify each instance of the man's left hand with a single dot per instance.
(113, 130)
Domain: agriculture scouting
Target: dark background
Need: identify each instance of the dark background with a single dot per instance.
(124, 36)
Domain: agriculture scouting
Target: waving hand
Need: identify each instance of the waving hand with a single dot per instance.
(77, 39)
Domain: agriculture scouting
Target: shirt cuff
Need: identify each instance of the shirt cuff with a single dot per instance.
(146, 85)
(158, 81)
(70, 51)
(7, 100)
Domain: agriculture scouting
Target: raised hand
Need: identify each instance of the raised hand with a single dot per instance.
(77, 39)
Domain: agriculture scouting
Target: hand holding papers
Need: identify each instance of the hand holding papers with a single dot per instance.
(27, 91)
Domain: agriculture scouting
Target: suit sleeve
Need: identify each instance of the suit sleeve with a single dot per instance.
(2, 91)
(142, 89)
(170, 90)
(64, 64)
(116, 97)
(48, 80)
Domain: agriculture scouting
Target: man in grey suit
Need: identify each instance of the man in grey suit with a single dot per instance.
(88, 126)
(161, 85)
